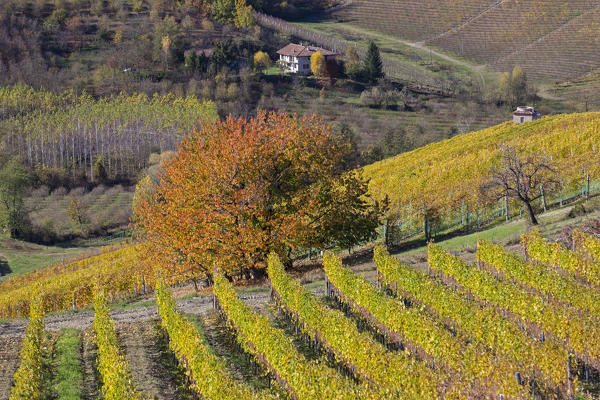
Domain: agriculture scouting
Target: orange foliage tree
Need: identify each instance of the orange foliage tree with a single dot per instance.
(239, 189)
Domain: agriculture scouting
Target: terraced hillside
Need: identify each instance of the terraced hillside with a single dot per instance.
(413, 19)
(550, 39)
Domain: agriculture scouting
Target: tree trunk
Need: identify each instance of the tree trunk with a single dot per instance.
(532, 217)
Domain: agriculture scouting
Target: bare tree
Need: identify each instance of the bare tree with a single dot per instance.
(520, 177)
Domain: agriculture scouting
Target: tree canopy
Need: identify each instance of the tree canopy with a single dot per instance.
(239, 189)
(15, 181)
(317, 64)
(373, 68)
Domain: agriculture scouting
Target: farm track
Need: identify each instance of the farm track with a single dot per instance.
(417, 45)
(83, 320)
(10, 348)
(89, 351)
(139, 341)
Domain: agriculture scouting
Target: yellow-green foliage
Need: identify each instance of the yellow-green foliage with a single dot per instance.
(306, 380)
(444, 174)
(65, 286)
(402, 376)
(482, 323)
(587, 245)
(546, 280)
(574, 328)
(28, 378)
(209, 374)
(558, 256)
(477, 367)
(117, 383)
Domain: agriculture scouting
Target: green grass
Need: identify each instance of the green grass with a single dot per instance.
(550, 224)
(21, 257)
(68, 379)
(391, 46)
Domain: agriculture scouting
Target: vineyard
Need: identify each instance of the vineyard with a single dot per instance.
(422, 181)
(549, 39)
(504, 327)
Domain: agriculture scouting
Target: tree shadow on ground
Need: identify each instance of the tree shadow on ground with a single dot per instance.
(4, 267)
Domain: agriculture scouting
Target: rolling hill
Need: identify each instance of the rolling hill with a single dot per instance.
(446, 176)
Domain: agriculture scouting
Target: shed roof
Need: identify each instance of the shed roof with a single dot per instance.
(524, 111)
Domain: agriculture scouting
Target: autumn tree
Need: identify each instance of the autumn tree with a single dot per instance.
(77, 213)
(518, 86)
(317, 64)
(244, 14)
(223, 10)
(354, 68)
(239, 189)
(512, 88)
(524, 178)
(166, 47)
(262, 60)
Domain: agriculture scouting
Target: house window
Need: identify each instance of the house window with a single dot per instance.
(522, 119)
(305, 66)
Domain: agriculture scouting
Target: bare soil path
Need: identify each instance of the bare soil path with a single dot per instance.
(139, 342)
(91, 386)
(82, 320)
(10, 348)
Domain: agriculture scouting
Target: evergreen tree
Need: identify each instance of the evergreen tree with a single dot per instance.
(373, 65)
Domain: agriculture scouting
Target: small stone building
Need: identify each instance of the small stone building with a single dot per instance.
(297, 57)
(525, 114)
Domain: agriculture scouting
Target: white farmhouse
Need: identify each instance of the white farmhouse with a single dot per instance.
(297, 57)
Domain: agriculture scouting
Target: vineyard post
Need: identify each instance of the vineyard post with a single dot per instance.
(386, 232)
(543, 198)
(518, 377)
(425, 222)
(587, 188)
(506, 208)
(562, 190)
(569, 376)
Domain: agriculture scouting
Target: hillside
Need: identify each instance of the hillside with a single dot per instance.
(496, 33)
(446, 176)
(297, 327)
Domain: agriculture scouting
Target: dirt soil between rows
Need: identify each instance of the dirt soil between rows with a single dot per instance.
(82, 320)
(10, 348)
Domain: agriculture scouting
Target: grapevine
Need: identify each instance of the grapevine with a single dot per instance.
(28, 383)
(571, 328)
(482, 323)
(210, 376)
(472, 362)
(302, 378)
(117, 383)
(405, 377)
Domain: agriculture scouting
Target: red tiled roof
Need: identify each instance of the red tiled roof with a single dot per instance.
(298, 50)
